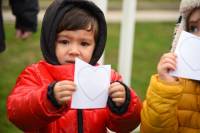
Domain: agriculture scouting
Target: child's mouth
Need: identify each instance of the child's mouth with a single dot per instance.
(71, 62)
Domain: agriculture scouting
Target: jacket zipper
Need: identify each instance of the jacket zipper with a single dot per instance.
(80, 121)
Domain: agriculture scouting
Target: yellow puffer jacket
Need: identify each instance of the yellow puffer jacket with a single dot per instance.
(171, 108)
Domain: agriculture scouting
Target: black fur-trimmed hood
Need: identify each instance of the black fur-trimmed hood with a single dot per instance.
(53, 16)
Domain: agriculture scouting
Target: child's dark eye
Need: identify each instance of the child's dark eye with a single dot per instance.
(85, 44)
(193, 29)
(65, 42)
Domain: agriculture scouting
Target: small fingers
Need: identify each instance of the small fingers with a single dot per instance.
(65, 85)
(118, 101)
(64, 100)
(167, 66)
(169, 55)
(118, 94)
(65, 82)
(64, 94)
(63, 91)
(167, 62)
(116, 86)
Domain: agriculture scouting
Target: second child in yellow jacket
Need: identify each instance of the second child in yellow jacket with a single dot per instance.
(172, 104)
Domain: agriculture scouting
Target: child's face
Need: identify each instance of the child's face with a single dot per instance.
(72, 44)
(194, 22)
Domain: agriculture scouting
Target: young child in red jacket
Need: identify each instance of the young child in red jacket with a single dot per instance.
(40, 100)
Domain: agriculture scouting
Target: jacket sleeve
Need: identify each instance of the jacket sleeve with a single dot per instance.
(28, 105)
(25, 12)
(128, 119)
(159, 113)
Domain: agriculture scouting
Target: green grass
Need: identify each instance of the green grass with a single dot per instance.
(17, 55)
(147, 4)
(151, 40)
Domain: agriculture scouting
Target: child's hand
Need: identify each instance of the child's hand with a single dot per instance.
(63, 91)
(117, 93)
(167, 63)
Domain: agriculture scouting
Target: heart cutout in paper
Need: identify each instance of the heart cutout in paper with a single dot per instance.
(191, 58)
(90, 86)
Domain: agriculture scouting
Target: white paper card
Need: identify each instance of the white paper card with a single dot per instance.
(92, 85)
(188, 57)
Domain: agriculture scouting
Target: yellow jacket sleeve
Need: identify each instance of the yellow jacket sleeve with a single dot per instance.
(159, 113)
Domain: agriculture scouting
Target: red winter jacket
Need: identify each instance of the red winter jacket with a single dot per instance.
(30, 110)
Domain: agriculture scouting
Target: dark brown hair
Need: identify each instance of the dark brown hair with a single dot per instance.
(76, 19)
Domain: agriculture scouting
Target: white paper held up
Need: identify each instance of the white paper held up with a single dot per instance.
(188, 57)
(92, 85)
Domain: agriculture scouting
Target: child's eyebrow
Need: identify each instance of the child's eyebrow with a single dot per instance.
(61, 35)
(86, 40)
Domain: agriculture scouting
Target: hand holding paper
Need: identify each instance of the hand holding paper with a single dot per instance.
(92, 85)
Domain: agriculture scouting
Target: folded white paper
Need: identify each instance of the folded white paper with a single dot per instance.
(92, 85)
(188, 57)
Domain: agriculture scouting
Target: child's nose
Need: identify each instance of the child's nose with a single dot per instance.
(74, 50)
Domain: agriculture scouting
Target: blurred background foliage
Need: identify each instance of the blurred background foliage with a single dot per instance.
(117, 4)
